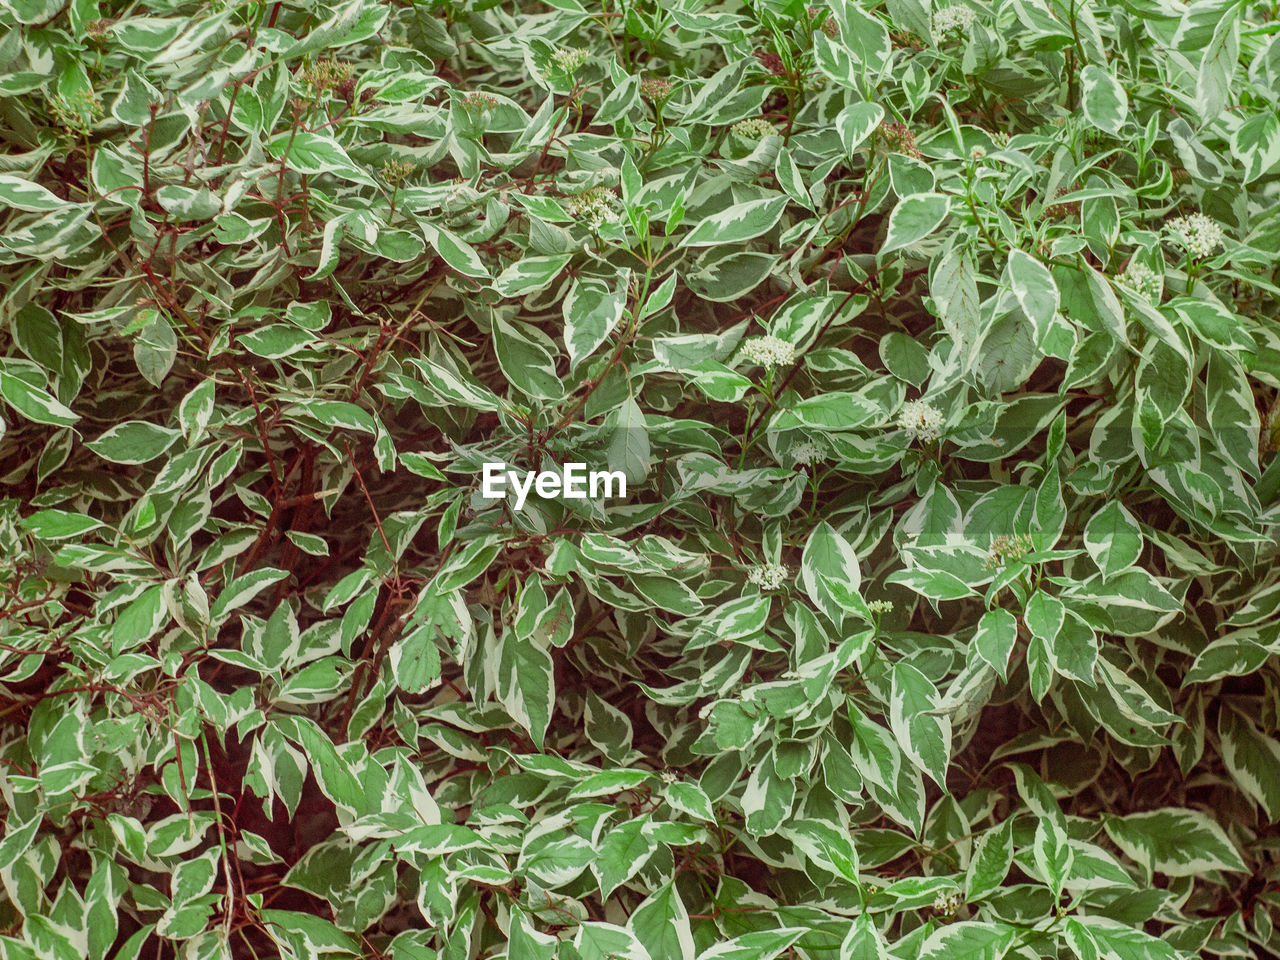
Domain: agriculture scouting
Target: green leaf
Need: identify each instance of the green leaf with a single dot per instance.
(196, 410)
(603, 941)
(992, 857)
(830, 573)
(1053, 855)
(914, 218)
(924, 735)
(863, 941)
(864, 36)
(1256, 142)
(756, 945)
(716, 91)
(1252, 758)
(529, 274)
(133, 441)
(155, 350)
(1095, 936)
(629, 449)
(351, 22)
(141, 619)
(1174, 841)
(1044, 616)
(58, 524)
(415, 661)
(314, 153)
(1033, 287)
(734, 619)
(826, 845)
(621, 853)
(276, 340)
(836, 411)
(661, 923)
(691, 799)
(906, 358)
(305, 934)
(39, 336)
(856, 122)
(23, 194)
(834, 60)
(282, 284)
(1105, 103)
(766, 799)
(280, 639)
(1113, 539)
(591, 312)
(934, 584)
(667, 594)
(455, 251)
(528, 359)
(967, 940)
(243, 589)
(333, 774)
(526, 684)
(994, 639)
(739, 222)
(34, 403)
(525, 942)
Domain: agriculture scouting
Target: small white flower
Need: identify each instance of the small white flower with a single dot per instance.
(1004, 549)
(768, 576)
(921, 419)
(955, 17)
(1199, 235)
(948, 904)
(569, 59)
(1141, 279)
(593, 207)
(669, 777)
(805, 452)
(768, 351)
(978, 152)
(880, 606)
(754, 128)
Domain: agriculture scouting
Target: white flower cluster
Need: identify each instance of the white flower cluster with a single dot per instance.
(948, 904)
(947, 19)
(1004, 549)
(768, 576)
(805, 452)
(1198, 234)
(655, 89)
(756, 128)
(1142, 280)
(593, 207)
(880, 606)
(921, 419)
(768, 351)
(569, 59)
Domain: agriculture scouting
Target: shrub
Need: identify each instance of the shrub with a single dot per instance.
(935, 346)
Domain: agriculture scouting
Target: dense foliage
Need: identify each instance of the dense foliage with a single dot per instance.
(937, 345)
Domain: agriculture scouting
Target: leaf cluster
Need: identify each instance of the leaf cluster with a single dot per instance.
(936, 345)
